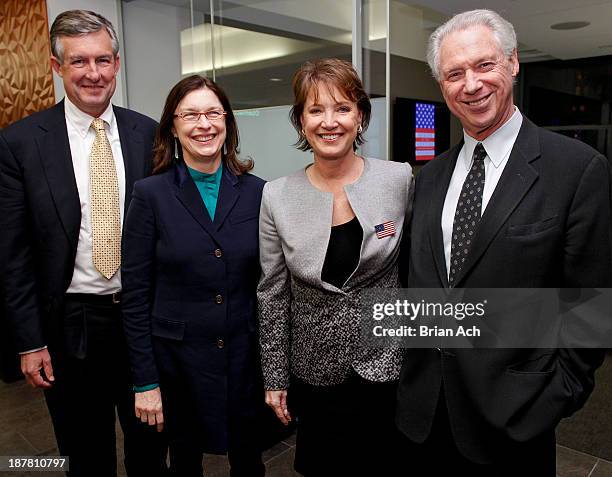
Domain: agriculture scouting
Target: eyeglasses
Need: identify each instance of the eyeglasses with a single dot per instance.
(194, 116)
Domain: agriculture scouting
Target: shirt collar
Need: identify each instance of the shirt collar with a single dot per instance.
(497, 145)
(81, 121)
(213, 179)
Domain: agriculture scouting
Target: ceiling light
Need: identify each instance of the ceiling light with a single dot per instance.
(569, 25)
(276, 80)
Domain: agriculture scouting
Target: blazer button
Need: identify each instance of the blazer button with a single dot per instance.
(218, 299)
(218, 253)
(220, 343)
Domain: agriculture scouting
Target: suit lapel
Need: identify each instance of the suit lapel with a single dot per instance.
(132, 149)
(54, 152)
(228, 196)
(435, 216)
(514, 183)
(188, 195)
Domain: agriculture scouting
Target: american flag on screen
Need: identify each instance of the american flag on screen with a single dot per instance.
(425, 132)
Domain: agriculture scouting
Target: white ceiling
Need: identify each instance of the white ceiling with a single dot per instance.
(331, 20)
(532, 20)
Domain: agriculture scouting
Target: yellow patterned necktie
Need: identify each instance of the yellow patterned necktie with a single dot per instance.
(105, 214)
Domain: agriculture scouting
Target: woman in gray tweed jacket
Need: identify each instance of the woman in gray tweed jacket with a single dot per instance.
(326, 233)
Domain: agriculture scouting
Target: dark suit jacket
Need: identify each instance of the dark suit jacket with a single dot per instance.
(41, 215)
(548, 224)
(189, 303)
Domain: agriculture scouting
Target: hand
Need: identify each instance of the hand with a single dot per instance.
(277, 400)
(148, 406)
(32, 363)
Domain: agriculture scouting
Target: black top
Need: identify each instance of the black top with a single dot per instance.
(343, 252)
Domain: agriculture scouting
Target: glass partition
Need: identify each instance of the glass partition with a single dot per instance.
(251, 49)
(373, 51)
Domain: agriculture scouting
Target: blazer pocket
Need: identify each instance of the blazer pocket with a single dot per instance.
(169, 329)
(541, 365)
(239, 218)
(530, 229)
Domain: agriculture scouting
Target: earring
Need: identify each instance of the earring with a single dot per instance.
(176, 148)
(224, 149)
(303, 132)
(360, 129)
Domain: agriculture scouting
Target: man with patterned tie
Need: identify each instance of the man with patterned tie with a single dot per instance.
(66, 175)
(511, 206)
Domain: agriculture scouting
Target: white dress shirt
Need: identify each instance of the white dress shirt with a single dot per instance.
(498, 147)
(86, 278)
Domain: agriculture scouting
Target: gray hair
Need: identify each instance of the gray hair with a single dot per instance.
(77, 23)
(502, 30)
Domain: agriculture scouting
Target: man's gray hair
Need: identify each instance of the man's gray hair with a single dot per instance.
(77, 23)
(502, 30)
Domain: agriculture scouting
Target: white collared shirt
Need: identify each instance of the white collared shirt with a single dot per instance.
(498, 147)
(86, 278)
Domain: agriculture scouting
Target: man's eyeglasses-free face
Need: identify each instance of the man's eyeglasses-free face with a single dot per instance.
(194, 116)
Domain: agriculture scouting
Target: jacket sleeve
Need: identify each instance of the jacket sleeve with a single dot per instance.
(138, 283)
(17, 257)
(274, 301)
(587, 263)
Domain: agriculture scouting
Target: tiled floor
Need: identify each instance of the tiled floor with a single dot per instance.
(25, 429)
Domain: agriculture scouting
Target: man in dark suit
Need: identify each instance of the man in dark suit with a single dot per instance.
(66, 175)
(511, 206)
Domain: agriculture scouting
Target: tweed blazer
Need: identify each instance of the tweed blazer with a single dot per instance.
(309, 327)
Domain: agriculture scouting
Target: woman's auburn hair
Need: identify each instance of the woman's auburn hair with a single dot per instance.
(328, 72)
(163, 147)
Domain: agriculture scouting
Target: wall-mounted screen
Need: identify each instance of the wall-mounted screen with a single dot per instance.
(421, 130)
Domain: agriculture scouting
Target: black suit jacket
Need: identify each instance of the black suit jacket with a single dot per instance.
(41, 215)
(548, 224)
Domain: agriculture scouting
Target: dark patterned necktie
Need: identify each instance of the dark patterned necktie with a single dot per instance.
(467, 214)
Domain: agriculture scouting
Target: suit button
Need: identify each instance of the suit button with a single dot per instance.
(218, 299)
(220, 343)
(218, 253)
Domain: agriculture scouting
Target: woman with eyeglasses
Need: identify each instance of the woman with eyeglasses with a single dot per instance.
(190, 270)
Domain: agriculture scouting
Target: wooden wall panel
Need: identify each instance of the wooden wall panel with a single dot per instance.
(26, 79)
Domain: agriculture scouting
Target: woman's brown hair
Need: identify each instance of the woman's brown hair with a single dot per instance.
(163, 148)
(329, 72)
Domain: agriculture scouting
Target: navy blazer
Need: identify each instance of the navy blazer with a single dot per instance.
(189, 299)
(41, 214)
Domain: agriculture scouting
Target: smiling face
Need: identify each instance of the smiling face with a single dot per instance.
(330, 122)
(201, 140)
(476, 80)
(88, 70)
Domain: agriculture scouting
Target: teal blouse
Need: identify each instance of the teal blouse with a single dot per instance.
(208, 186)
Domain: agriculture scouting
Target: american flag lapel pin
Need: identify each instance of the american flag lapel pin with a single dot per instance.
(385, 229)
